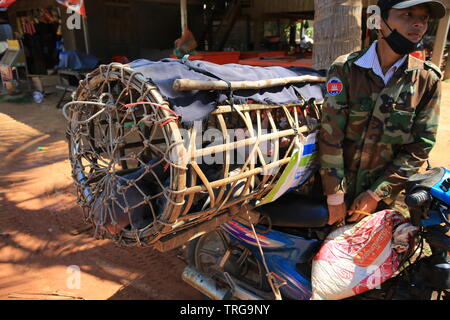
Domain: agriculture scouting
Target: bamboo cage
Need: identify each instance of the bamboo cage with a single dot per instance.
(143, 178)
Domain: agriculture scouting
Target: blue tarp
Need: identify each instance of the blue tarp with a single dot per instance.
(75, 60)
(196, 105)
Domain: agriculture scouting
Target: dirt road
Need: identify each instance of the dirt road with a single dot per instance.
(39, 257)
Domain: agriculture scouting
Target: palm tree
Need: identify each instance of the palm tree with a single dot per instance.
(337, 30)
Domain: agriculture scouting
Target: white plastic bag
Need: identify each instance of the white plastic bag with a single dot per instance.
(357, 258)
(302, 165)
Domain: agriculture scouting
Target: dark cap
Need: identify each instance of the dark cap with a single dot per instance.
(437, 9)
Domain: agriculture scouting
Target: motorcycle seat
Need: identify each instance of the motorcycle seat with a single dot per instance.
(296, 211)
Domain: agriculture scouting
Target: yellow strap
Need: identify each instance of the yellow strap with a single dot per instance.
(359, 212)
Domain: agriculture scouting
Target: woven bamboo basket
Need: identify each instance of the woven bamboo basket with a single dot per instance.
(143, 178)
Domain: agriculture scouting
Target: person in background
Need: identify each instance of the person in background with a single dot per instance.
(185, 45)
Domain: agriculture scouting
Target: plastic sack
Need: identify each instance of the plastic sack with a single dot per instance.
(358, 257)
(38, 96)
(302, 166)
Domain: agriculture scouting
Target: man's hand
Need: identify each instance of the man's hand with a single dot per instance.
(364, 202)
(336, 213)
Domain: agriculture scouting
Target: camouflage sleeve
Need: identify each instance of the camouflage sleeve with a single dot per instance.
(412, 156)
(331, 136)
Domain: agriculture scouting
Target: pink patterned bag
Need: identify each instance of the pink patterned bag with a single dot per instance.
(359, 257)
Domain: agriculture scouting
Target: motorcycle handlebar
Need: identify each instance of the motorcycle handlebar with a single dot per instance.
(417, 198)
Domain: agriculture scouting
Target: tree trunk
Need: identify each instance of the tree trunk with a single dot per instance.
(337, 30)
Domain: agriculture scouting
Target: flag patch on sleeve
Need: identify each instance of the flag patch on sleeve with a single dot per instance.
(334, 86)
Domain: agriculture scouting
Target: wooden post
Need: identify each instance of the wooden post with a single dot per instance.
(86, 35)
(292, 32)
(258, 33)
(183, 8)
(257, 16)
(441, 40)
(337, 30)
(447, 69)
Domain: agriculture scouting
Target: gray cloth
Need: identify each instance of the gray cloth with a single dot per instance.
(196, 105)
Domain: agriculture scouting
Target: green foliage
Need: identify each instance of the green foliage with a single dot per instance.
(309, 31)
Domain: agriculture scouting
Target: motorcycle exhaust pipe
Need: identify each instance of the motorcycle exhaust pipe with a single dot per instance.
(204, 284)
(210, 288)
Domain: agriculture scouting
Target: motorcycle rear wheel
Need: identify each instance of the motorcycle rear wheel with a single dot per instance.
(207, 251)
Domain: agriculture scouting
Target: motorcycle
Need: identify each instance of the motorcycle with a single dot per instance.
(231, 262)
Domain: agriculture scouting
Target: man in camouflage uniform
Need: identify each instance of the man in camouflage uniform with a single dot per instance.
(380, 115)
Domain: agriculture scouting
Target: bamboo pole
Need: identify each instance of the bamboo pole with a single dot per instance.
(245, 142)
(188, 85)
(226, 168)
(246, 107)
(191, 149)
(246, 174)
(252, 107)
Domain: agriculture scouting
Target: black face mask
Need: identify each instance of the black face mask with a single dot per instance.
(400, 44)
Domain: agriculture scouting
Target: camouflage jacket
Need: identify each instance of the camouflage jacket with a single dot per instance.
(375, 136)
